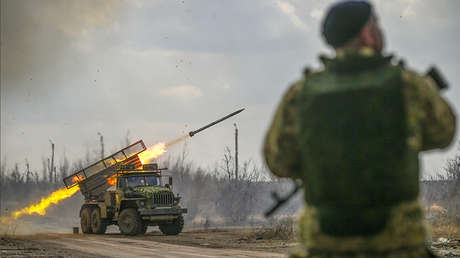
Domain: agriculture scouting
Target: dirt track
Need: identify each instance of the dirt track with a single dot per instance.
(129, 247)
(195, 243)
(215, 243)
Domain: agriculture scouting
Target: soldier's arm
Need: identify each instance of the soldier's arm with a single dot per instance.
(436, 118)
(281, 148)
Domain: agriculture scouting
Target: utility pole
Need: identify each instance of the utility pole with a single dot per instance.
(236, 151)
(1, 188)
(1, 179)
(50, 172)
(101, 138)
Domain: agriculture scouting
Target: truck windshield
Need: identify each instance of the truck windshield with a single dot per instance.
(152, 181)
(135, 181)
(143, 181)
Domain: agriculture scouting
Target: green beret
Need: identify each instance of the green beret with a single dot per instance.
(344, 21)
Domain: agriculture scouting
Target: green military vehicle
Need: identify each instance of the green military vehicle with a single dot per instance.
(120, 190)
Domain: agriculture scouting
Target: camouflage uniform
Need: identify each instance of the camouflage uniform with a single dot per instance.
(361, 201)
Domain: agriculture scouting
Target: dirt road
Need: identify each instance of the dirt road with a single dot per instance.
(193, 243)
(129, 247)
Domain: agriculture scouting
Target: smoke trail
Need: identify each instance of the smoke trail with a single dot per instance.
(178, 140)
(158, 149)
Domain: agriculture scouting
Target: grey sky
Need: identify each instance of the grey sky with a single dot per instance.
(70, 69)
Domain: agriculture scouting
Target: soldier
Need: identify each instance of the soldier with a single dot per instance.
(352, 132)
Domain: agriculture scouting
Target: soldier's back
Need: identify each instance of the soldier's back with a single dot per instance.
(360, 175)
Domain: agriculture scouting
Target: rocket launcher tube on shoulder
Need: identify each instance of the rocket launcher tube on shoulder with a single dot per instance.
(192, 133)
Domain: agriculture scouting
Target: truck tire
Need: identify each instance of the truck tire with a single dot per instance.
(143, 229)
(130, 222)
(85, 220)
(98, 225)
(173, 228)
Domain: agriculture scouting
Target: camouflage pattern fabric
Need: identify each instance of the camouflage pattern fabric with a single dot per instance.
(148, 191)
(403, 236)
(293, 149)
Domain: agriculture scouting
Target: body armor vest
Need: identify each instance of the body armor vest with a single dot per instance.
(355, 158)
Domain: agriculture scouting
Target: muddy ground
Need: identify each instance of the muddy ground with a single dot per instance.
(191, 243)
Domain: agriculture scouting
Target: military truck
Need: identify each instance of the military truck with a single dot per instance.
(120, 190)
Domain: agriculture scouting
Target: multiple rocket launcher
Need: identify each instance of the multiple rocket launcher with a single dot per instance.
(96, 178)
(92, 180)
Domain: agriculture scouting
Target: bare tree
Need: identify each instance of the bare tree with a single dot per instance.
(452, 170)
(127, 139)
(44, 169)
(236, 197)
(227, 164)
(15, 175)
(101, 140)
(36, 178)
(87, 157)
(64, 167)
(28, 173)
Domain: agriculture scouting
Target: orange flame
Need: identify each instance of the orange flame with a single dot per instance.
(152, 153)
(112, 180)
(77, 178)
(40, 207)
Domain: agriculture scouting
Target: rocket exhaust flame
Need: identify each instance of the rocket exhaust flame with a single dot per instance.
(112, 180)
(41, 207)
(77, 178)
(158, 149)
(152, 153)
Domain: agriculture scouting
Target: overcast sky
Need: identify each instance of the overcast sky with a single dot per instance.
(158, 69)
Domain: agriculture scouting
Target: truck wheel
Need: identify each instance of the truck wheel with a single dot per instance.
(98, 225)
(173, 228)
(85, 220)
(143, 229)
(130, 222)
